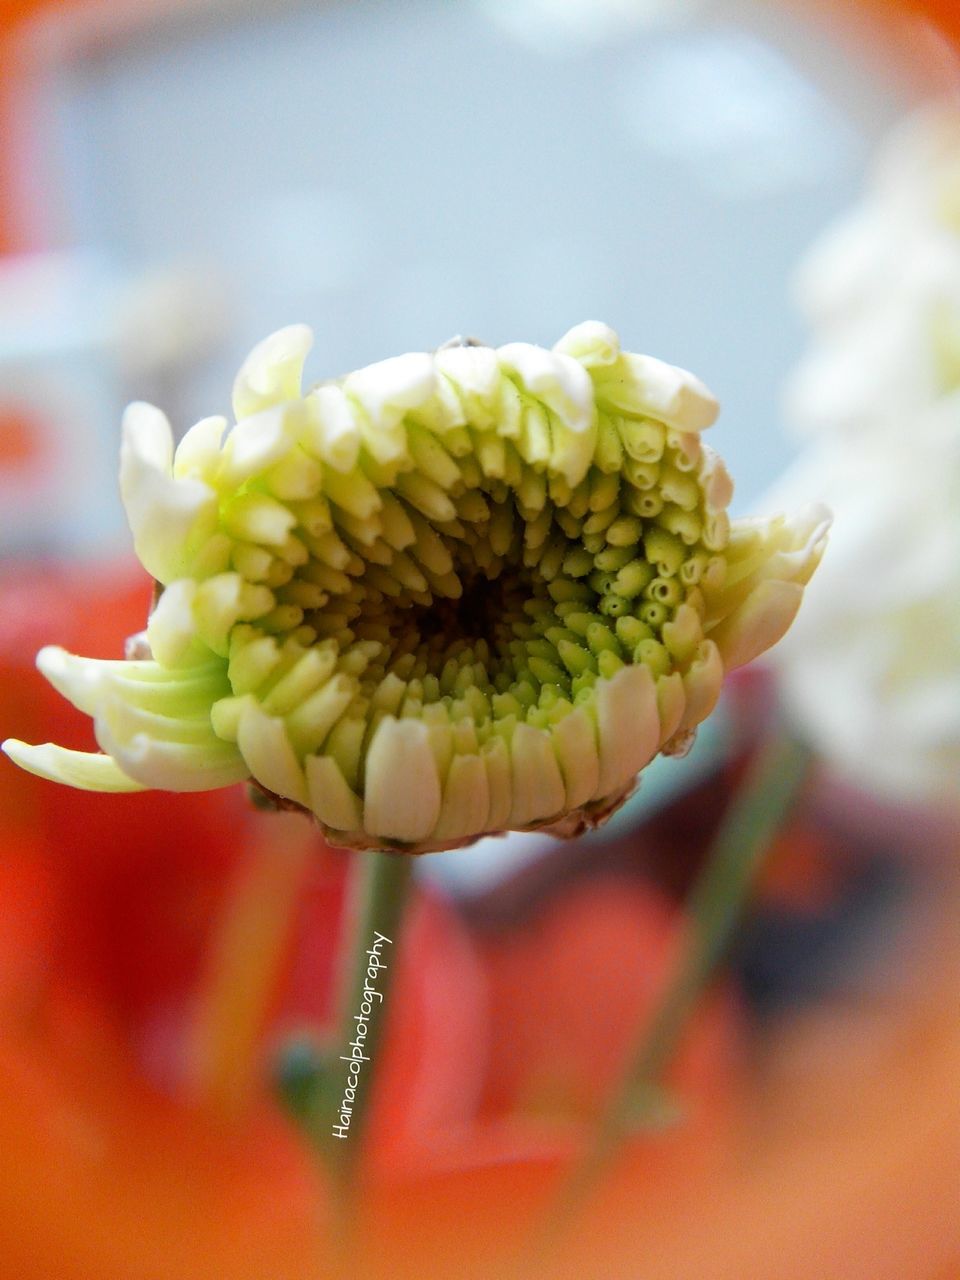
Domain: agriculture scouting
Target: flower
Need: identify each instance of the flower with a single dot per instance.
(882, 290)
(872, 673)
(446, 595)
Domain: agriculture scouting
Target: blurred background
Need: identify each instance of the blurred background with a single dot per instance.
(766, 193)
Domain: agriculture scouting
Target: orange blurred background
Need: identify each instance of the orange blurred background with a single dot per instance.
(168, 964)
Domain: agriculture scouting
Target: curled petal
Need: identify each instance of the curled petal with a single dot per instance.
(402, 794)
(768, 564)
(593, 343)
(170, 766)
(331, 799)
(646, 386)
(389, 388)
(628, 727)
(86, 770)
(258, 441)
(170, 519)
(465, 807)
(272, 371)
(701, 685)
(265, 747)
(538, 790)
(475, 373)
(758, 623)
(671, 703)
(575, 745)
(496, 763)
(557, 380)
(197, 456)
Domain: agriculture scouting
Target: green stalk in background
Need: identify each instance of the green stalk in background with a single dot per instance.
(716, 903)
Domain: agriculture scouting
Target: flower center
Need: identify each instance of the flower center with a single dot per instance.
(484, 600)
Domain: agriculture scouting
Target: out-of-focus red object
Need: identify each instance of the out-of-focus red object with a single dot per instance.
(570, 990)
(116, 930)
(137, 1027)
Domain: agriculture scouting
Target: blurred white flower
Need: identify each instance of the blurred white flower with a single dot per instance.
(170, 317)
(871, 670)
(882, 290)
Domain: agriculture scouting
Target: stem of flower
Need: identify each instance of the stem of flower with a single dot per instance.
(380, 892)
(316, 1088)
(714, 909)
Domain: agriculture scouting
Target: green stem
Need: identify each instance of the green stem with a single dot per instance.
(381, 889)
(314, 1084)
(714, 909)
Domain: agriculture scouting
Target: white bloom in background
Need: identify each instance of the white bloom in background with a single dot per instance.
(447, 595)
(871, 672)
(882, 291)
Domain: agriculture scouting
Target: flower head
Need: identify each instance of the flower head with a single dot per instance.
(446, 595)
(872, 673)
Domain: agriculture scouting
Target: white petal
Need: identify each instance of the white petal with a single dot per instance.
(401, 785)
(258, 441)
(758, 623)
(628, 726)
(389, 389)
(198, 453)
(671, 701)
(331, 430)
(466, 800)
(176, 766)
(169, 518)
(475, 372)
(331, 800)
(538, 790)
(86, 770)
(74, 678)
(592, 343)
(701, 685)
(559, 381)
(159, 730)
(575, 744)
(272, 371)
(270, 758)
(645, 385)
(715, 481)
(172, 629)
(150, 435)
(496, 761)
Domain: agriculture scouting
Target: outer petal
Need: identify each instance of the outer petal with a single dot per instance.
(638, 384)
(402, 785)
(575, 744)
(558, 380)
(170, 519)
(85, 770)
(593, 343)
(537, 783)
(331, 800)
(628, 726)
(153, 722)
(465, 807)
(272, 371)
(475, 372)
(757, 624)
(169, 766)
(768, 564)
(269, 757)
